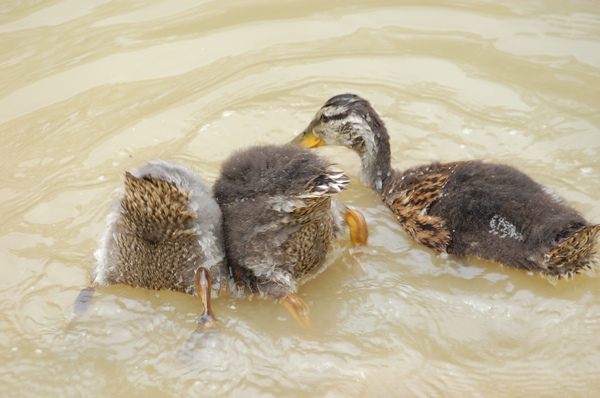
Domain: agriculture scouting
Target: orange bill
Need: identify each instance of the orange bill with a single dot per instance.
(308, 140)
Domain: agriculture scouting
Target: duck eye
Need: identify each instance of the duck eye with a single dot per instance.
(324, 118)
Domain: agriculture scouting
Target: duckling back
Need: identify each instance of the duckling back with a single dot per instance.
(278, 223)
(496, 212)
(165, 224)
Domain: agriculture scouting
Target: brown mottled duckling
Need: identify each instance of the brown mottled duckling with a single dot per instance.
(163, 233)
(490, 210)
(279, 219)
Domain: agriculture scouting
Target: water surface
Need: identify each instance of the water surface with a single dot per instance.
(89, 89)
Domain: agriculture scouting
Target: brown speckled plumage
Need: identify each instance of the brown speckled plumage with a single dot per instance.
(164, 226)
(477, 208)
(578, 249)
(409, 197)
(155, 210)
(163, 233)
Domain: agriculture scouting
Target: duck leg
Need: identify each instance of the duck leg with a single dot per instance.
(203, 286)
(359, 232)
(236, 286)
(298, 308)
(207, 329)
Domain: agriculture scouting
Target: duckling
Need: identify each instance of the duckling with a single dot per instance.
(163, 233)
(479, 208)
(280, 218)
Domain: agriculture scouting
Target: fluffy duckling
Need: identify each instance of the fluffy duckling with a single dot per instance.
(279, 219)
(163, 233)
(479, 208)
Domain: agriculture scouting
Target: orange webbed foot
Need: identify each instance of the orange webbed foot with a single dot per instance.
(359, 233)
(298, 308)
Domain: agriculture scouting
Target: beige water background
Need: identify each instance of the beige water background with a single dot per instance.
(89, 89)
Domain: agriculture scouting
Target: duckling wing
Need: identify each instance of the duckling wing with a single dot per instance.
(410, 194)
(330, 181)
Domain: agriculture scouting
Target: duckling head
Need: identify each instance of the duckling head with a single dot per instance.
(349, 120)
(346, 120)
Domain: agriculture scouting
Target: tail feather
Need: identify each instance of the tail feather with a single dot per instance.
(574, 254)
(142, 198)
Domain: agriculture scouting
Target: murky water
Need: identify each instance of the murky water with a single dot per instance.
(89, 89)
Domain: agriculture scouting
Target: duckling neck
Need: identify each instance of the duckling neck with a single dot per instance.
(376, 166)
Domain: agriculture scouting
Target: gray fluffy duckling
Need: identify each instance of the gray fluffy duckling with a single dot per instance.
(479, 208)
(163, 233)
(279, 219)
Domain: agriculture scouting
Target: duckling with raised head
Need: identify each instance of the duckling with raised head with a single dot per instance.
(163, 233)
(489, 210)
(280, 218)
